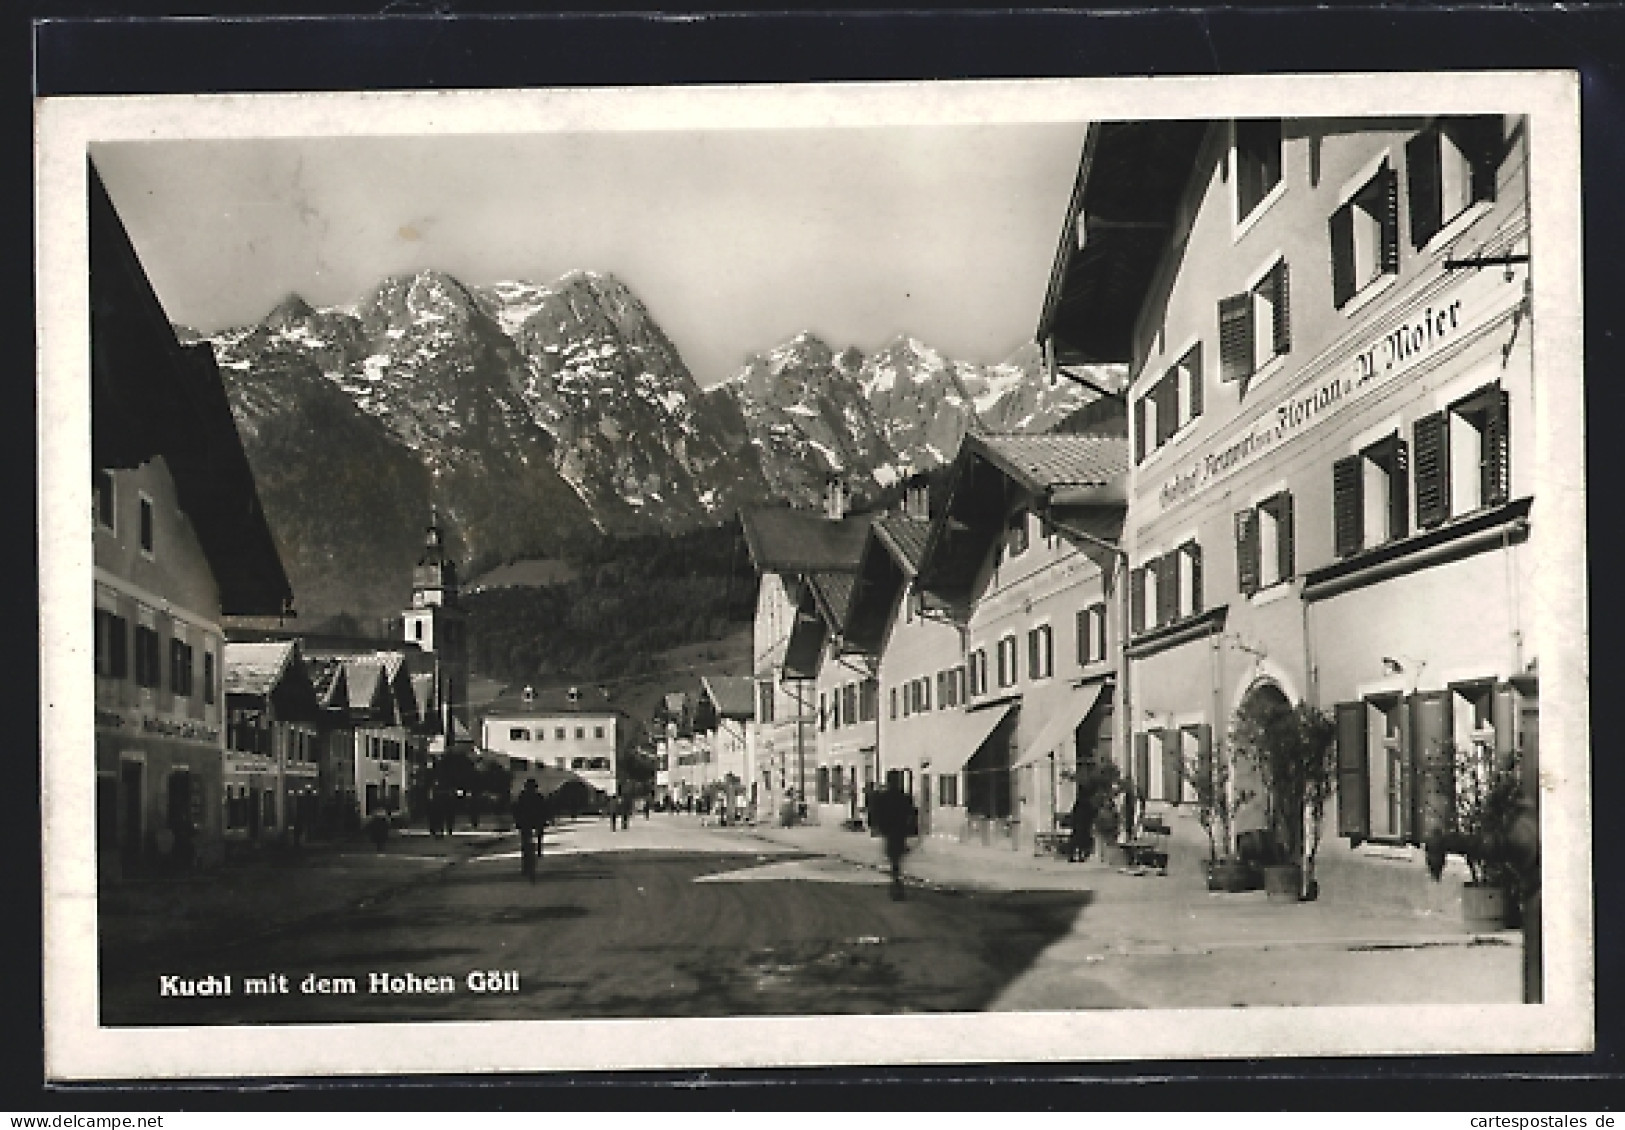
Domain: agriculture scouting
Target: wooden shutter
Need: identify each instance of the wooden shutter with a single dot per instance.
(1136, 599)
(1348, 485)
(1139, 429)
(1281, 294)
(1167, 567)
(1048, 644)
(1504, 717)
(1193, 366)
(1353, 780)
(1284, 549)
(1235, 337)
(1342, 230)
(1388, 189)
(1410, 809)
(1482, 140)
(1423, 185)
(1032, 653)
(1142, 766)
(1204, 761)
(1194, 550)
(1084, 635)
(1100, 631)
(1247, 551)
(1432, 435)
(1167, 394)
(1496, 469)
(1432, 757)
(1173, 772)
(1399, 488)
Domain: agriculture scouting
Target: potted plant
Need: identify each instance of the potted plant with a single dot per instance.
(1217, 802)
(1293, 750)
(1480, 825)
(1097, 785)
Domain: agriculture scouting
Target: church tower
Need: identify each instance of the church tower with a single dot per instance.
(436, 623)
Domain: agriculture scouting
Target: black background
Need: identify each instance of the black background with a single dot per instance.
(132, 48)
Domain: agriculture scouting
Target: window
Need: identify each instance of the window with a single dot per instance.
(112, 645)
(1092, 634)
(106, 500)
(1258, 163)
(180, 667)
(598, 732)
(1040, 652)
(417, 629)
(578, 763)
(1169, 405)
(1462, 458)
(146, 525)
(558, 733)
(925, 692)
(1007, 661)
(581, 732)
(1264, 544)
(1365, 236)
(978, 671)
(868, 700)
(823, 710)
(959, 679)
(208, 677)
(540, 734)
(1016, 534)
(518, 734)
(1255, 325)
(1188, 567)
(518, 764)
(1369, 493)
(894, 702)
(849, 703)
(1165, 589)
(1449, 167)
(948, 789)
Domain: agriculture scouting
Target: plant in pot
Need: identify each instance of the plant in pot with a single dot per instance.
(1293, 749)
(1480, 825)
(1097, 787)
(1217, 802)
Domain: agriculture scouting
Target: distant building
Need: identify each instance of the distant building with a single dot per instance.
(438, 625)
(580, 741)
(728, 710)
(179, 541)
(273, 742)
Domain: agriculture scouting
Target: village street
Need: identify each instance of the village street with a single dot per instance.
(669, 918)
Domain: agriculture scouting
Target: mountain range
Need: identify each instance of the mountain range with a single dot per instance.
(539, 418)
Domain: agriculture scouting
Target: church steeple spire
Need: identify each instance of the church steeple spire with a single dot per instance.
(434, 581)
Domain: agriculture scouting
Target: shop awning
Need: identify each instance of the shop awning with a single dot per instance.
(1062, 723)
(972, 730)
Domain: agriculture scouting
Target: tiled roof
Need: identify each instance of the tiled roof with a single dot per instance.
(734, 695)
(834, 592)
(905, 537)
(255, 668)
(1050, 461)
(363, 677)
(782, 540)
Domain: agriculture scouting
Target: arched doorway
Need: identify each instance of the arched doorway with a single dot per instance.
(1262, 700)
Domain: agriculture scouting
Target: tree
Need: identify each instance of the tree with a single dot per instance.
(1294, 750)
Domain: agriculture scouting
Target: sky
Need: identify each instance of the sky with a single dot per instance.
(735, 240)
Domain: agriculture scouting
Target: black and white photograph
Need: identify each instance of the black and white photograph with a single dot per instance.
(914, 572)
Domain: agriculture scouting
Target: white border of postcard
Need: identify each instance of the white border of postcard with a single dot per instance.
(76, 1048)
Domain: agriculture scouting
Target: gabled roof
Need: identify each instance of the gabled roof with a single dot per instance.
(255, 668)
(832, 592)
(892, 557)
(904, 538)
(1130, 180)
(328, 678)
(733, 695)
(369, 689)
(152, 398)
(804, 650)
(1078, 482)
(782, 540)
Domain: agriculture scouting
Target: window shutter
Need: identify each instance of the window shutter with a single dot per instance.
(1139, 429)
(1136, 599)
(1353, 783)
(1347, 489)
(1193, 365)
(1432, 436)
(1083, 634)
(1410, 809)
(1342, 226)
(1281, 293)
(117, 648)
(1032, 654)
(1434, 766)
(1235, 337)
(1284, 549)
(1167, 394)
(1422, 176)
(1399, 489)
(1167, 567)
(1100, 631)
(1247, 572)
(1049, 650)
(1388, 181)
(1142, 766)
(1504, 717)
(1497, 468)
(1204, 761)
(1482, 139)
(1195, 552)
(1173, 773)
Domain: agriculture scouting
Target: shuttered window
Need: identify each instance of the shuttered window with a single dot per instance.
(1188, 563)
(894, 703)
(1189, 372)
(1139, 430)
(1275, 539)
(1435, 774)
(1235, 337)
(1142, 766)
(1347, 505)
(1353, 783)
(1173, 769)
(1258, 162)
(1167, 399)
(1365, 236)
(1431, 434)
(1167, 588)
(1204, 783)
(1449, 167)
(1256, 325)
(1136, 599)
(1247, 575)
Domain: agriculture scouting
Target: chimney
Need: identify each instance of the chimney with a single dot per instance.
(917, 498)
(834, 498)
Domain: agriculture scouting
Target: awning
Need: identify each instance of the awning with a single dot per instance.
(968, 736)
(1062, 723)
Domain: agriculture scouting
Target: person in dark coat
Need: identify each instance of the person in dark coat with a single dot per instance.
(896, 818)
(1083, 826)
(530, 816)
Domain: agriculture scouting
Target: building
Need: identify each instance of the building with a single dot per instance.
(379, 718)
(726, 712)
(785, 547)
(1024, 560)
(273, 742)
(178, 542)
(1327, 325)
(845, 759)
(582, 742)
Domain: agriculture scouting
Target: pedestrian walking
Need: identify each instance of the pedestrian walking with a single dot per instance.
(530, 817)
(1083, 824)
(896, 818)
